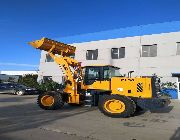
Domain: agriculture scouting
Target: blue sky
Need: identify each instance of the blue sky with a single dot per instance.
(22, 21)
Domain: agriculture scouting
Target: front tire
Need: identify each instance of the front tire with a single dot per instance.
(50, 101)
(117, 106)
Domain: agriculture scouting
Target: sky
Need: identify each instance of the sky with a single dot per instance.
(22, 21)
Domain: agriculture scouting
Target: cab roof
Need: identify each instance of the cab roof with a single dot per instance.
(100, 65)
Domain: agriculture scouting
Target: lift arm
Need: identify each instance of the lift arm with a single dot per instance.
(64, 51)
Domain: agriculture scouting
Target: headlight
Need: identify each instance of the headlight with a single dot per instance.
(28, 89)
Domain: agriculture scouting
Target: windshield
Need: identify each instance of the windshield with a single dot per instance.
(110, 72)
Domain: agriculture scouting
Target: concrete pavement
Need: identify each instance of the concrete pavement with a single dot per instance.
(21, 118)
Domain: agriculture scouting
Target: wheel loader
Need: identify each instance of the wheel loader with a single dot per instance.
(98, 85)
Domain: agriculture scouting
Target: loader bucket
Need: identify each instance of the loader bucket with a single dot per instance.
(59, 47)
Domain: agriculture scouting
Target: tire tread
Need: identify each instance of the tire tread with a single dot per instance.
(58, 102)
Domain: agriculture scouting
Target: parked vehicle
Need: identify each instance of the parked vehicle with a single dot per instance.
(17, 89)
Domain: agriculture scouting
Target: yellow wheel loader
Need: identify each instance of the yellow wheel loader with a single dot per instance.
(99, 85)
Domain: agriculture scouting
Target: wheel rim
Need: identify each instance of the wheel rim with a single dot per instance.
(47, 100)
(114, 106)
(20, 93)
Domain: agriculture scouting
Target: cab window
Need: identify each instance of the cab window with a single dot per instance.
(106, 73)
(93, 73)
(110, 72)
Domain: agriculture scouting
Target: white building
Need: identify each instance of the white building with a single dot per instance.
(147, 49)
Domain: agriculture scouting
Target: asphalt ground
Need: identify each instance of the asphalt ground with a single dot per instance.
(22, 119)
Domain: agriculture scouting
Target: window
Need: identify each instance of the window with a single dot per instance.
(49, 58)
(47, 78)
(149, 50)
(118, 53)
(93, 73)
(92, 54)
(110, 72)
(178, 48)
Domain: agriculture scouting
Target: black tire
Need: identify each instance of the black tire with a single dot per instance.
(130, 106)
(57, 104)
(139, 109)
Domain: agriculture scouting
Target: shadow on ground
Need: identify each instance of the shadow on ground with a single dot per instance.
(29, 115)
(176, 135)
(15, 98)
(7, 138)
(162, 110)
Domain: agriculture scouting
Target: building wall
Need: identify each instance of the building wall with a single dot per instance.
(49, 69)
(163, 65)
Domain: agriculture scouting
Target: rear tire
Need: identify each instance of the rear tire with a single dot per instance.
(50, 101)
(139, 109)
(117, 106)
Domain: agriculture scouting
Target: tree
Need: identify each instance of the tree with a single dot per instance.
(29, 80)
(49, 85)
(169, 85)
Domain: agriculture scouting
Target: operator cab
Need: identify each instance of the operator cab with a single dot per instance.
(100, 73)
